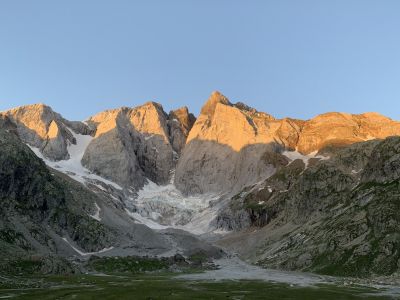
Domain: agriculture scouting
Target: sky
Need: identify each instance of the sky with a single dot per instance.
(288, 58)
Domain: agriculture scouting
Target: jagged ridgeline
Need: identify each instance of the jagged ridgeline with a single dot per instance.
(318, 195)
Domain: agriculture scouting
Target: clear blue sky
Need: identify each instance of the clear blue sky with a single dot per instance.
(288, 58)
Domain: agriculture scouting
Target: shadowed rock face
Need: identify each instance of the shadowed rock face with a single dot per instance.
(6, 124)
(207, 166)
(180, 122)
(35, 203)
(221, 169)
(132, 144)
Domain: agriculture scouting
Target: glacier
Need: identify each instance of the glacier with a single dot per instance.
(156, 206)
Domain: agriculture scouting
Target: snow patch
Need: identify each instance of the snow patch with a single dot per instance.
(96, 215)
(100, 187)
(145, 221)
(73, 166)
(293, 155)
(87, 253)
(369, 137)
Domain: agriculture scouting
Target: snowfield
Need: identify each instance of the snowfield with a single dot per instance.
(87, 253)
(73, 166)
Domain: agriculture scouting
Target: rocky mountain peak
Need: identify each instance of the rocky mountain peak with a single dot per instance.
(215, 98)
(152, 105)
(35, 117)
(226, 148)
(180, 122)
(35, 107)
(183, 116)
(39, 126)
(150, 118)
(132, 144)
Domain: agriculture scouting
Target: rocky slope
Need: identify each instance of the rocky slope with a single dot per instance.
(337, 216)
(45, 217)
(232, 145)
(37, 209)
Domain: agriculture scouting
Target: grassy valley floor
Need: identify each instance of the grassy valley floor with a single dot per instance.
(169, 287)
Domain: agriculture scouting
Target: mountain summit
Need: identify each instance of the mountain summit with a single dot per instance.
(216, 97)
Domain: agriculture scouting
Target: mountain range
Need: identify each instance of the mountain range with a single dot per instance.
(318, 195)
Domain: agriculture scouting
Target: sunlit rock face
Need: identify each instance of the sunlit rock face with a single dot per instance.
(340, 129)
(228, 147)
(132, 144)
(39, 126)
(233, 145)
